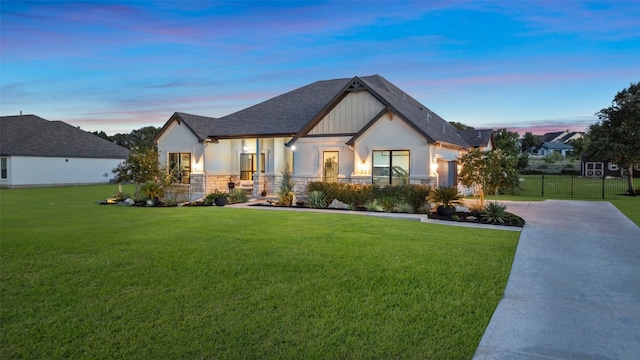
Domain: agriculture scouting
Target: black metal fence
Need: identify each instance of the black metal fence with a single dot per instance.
(572, 187)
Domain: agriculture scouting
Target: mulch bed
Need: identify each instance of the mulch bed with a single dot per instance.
(475, 217)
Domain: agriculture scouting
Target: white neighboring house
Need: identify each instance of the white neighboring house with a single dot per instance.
(38, 152)
(350, 130)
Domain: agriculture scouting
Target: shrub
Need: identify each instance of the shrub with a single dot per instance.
(358, 194)
(238, 196)
(388, 203)
(569, 171)
(494, 212)
(404, 207)
(446, 196)
(121, 196)
(210, 198)
(285, 196)
(152, 189)
(373, 205)
(317, 199)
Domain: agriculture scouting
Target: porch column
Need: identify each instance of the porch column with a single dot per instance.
(257, 178)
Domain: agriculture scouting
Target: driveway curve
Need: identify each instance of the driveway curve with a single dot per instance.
(574, 287)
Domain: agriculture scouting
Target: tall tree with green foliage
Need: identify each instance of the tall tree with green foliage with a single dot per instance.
(141, 138)
(507, 141)
(580, 145)
(141, 166)
(616, 137)
(488, 172)
(530, 142)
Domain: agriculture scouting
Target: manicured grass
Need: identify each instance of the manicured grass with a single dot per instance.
(80, 280)
(570, 187)
(630, 207)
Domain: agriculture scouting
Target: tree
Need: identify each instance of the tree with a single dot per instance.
(140, 139)
(616, 137)
(102, 134)
(580, 144)
(141, 166)
(461, 126)
(507, 141)
(530, 142)
(488, 172)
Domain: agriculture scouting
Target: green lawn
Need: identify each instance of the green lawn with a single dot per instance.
(80, 280)
(571, 187)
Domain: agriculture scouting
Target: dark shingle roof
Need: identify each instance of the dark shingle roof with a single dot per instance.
(292, 113)
(431, 125)
(476, 138)
(200, 125)
(30, 135)
(557, 146)
(548, 137)
(284, 114)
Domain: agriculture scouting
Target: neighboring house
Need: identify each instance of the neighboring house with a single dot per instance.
(548, 148)
(38, 152)
(480, 139)
(352, 130)
(561, 136)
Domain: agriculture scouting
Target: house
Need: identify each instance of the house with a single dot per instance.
(38, 152)
(479, 139)
(561, 136)
(548, 148)
(350, 130)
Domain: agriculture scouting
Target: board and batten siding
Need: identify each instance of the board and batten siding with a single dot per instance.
(355, 111)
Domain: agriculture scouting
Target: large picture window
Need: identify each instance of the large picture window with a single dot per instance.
(390, 167)
(180, 165)
(248, 165)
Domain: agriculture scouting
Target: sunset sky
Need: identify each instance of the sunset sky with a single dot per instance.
(119, 66)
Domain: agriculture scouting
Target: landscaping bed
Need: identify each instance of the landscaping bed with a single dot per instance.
(477, 217)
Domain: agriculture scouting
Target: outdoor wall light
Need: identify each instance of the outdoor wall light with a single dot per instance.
(363, 167)
(293, 148)
(245, 148)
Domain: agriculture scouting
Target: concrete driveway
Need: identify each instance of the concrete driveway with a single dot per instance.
(574, 287)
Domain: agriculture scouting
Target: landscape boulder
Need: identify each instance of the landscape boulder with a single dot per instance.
(337, 204)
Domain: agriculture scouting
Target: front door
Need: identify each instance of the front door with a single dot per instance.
(330, 166)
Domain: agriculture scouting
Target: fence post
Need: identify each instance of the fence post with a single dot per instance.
(603, 187)
(572, 177)
(542, 185)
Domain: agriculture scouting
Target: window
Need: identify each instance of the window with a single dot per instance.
(613, 167)
(180, 165)
(3, 162)
(330, 166)
(248, 165)
(390, 167)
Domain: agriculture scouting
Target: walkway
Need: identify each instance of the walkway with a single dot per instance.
(574, 287)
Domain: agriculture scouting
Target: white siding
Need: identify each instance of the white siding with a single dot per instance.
(308, 156)
(350, 115)
(41, 171)
(179, 139)
(395, 134)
